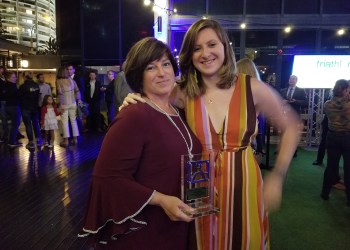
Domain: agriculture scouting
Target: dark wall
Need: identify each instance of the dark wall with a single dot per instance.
(101, 30)
(68, 24)
(98, 38)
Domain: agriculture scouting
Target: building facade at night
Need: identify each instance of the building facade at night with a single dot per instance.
(28, 22)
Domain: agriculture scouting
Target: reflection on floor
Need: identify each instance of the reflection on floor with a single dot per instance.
(43, 194)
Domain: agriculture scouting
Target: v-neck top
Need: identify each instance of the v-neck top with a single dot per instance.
(239, 126)
(212, 127)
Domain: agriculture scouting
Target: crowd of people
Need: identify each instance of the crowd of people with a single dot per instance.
(214, 104)
(44, 111)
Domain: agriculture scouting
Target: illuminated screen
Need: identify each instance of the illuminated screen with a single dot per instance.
(320, 71)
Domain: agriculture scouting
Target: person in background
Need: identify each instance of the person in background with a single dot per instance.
(221, 108)
(29, 93)
(338, 138)
(134, 199)
(109, 95)
(93, 98)
(2, 74)
(338, 182)
(121, 89)
(295, 97)
(45, 89)
(79, 80)
(67, 96)
(13, 113)
(322, 147)
(49, 113)
(4, 130)
(321, 152)
(247, 66)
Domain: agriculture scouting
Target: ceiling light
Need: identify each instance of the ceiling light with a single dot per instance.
(287, 29)
(341, 32)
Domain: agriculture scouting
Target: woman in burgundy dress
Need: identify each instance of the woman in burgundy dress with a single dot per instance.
(134, 199)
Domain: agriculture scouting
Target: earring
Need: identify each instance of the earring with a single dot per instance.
(195, 76)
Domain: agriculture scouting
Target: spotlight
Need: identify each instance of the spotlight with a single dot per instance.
(287, 29)
(341, 32)
(147, 2)
(243, 25)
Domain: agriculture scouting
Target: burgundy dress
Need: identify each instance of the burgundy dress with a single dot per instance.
(141, 153)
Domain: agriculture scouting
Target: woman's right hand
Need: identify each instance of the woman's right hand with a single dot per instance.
(131, 98)
(173, 207)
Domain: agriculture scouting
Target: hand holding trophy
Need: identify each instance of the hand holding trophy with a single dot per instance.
(197, 183)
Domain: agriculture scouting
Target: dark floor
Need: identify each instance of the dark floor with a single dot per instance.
(43, 194)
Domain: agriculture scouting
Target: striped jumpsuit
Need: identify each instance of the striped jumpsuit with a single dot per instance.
(242, 222)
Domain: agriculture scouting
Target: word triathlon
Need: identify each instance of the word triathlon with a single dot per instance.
(332, 64)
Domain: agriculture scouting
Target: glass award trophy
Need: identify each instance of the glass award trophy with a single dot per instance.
(197, 182)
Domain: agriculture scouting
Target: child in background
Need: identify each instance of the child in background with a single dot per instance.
(49, 113)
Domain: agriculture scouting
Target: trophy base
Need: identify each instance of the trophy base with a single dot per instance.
(202, 209)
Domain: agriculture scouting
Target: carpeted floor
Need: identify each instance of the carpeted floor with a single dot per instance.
(305, 221)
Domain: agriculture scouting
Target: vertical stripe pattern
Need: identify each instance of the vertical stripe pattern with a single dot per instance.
(242, 222)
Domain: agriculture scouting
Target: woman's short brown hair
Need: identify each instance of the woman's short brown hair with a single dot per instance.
(140, 55)
(339, 87)
(191, 80)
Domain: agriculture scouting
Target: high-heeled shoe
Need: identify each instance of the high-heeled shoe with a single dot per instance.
(74, 142)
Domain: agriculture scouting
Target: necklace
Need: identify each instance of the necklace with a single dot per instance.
(188, 146)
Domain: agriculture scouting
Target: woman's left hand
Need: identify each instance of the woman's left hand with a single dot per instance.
(273, 184)
(173, 207)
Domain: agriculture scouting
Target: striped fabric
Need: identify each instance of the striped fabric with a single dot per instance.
(242, 222)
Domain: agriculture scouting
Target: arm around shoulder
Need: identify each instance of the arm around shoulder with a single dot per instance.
(178, 97)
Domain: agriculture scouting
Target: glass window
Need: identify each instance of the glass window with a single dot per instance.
(299, 41)
(261, 38)
(331, 43)
(307, 7)
(193, 7)
(225, 7)
(261, 47)
(178, 38)
(336, 7)
(235, 39)
(98, 23)
(286, 70)
(263, 7)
